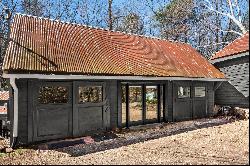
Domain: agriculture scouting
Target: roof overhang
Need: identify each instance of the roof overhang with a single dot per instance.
(213, 61)
(88, 77)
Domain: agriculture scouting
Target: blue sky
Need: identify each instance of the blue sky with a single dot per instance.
(125, 6)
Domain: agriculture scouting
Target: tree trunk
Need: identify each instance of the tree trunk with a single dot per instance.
(217, 25)
(110, 22)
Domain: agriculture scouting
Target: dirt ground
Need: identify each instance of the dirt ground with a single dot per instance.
(227, 143)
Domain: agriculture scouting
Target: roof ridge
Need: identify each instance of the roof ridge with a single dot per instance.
(100, 28)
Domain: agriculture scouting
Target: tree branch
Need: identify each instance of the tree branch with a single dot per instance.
(237, 22)
(231, 31)
(212, 44)
(231, 7)
(239, 11)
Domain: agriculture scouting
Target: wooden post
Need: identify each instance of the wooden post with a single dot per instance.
(127, 106)
(143, 104)
(159, 103)
(164, 102)
(1, 128)
(119, 104)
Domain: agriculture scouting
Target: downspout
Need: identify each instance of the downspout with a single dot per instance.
(15, 115)
(12, 82)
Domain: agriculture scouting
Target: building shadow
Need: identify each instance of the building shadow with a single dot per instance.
(112, 140)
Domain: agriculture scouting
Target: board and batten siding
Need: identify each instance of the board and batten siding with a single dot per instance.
(228, 95)
(22, 85)
(169, 102)
(112, 100)
(112, 91)
(235, 92)
(197, 107)
(25, 108)
(210, 98)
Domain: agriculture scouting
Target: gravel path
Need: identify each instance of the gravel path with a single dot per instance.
(223, 144)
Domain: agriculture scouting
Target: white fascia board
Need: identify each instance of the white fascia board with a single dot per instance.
(87, 77)
(229, 57)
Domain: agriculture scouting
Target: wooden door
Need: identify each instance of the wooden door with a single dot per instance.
(182, 101)
(52, 114)
(200, 100)
(89, 108)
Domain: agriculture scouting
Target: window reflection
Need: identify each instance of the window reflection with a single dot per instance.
(200, 91)
(151, 102)
(123, 104)
(90, 94)
(135, 103)
(53, 94)
(183, 92)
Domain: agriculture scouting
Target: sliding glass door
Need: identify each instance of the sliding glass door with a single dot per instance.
(141, 104)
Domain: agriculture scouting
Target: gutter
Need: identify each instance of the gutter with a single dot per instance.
(15, 116)
(88, 77)
(237, 55)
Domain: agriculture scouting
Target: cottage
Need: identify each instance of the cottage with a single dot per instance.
(233, 61)
(69, 80)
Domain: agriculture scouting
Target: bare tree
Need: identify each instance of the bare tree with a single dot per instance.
(232, 12)
(91, 12)
(32, 7)
(110, 14)
(6, 10)
(175, 19)
(131, 23)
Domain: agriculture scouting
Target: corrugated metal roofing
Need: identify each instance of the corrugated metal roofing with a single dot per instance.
(237, 46)
(41, 45)
(3, 110)
(4, 95)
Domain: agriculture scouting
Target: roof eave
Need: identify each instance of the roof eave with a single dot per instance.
(238, 55)
(88, 77)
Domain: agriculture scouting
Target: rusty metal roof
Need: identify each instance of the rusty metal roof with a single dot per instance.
(237, 46)
(40, 45)
(4, 95)
(3, 110)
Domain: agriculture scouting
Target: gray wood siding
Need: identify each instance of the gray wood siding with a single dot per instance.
(236, 91)
(207, 102)
(22, 85)
(112, 102)
(119, 104)
(90, 119)
(25, 122)
(228, 95)
(169, 102)
(182, 107)
(25, 117)
(210, 98)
